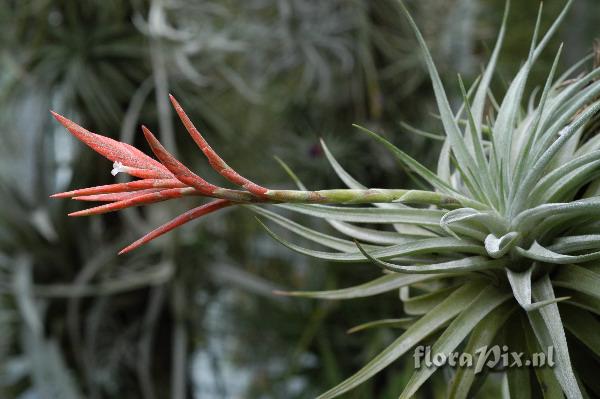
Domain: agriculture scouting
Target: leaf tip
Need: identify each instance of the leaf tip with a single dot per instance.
(150, 138)
(127, 249)
(61, 119)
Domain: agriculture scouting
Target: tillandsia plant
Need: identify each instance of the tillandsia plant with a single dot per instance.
(502, 249)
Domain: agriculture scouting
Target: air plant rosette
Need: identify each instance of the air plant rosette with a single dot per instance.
(504, 247)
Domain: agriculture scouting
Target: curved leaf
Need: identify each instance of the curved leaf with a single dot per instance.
(476, 220)
(542, 254)
(474, 263)
(422, 217)
(378, 286)
(303, 231)
(548, 328)
(579, 279)
(482, 336)
(547, 381)
(498, 247)
(487, 300)
(425, 326)
(424, 246)
(455, 137)
(403, 323)
(421, 304)
(365, 234)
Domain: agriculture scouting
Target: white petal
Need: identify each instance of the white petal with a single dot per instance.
(118, 167)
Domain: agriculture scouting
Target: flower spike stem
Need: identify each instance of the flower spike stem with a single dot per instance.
(323, 197)
(168, 179)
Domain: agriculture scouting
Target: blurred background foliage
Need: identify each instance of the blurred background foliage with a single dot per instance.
(193, 315)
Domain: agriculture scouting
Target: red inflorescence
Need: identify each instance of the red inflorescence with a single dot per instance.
(159, 181)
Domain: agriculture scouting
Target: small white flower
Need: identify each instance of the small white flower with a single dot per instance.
(118, 167)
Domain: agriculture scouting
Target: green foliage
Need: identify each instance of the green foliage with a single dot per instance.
(109, 323)
(75, 320)
(526, 180)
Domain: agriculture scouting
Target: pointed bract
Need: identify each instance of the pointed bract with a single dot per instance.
(142, 199)
(215, 161)
(179, 170)
(113, 150)
(178, 221)
(122, 187)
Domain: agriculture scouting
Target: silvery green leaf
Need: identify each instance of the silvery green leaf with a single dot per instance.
(455, 137)
(406, 250)
(348, 180)
(425, 326)
(374, 236)
(498, 247)
(542, 254)
(517, 378)
(576, 243)
(303, 231)
(481, 336)
(577, 278)
(353, 183)
(537, 170)
(545, 376)
(529, 132)
(479, 102)
(388, 282)
(470, 264)
(520, 282)
(403, 323)
(487, 300)
(583, 301)
(420, 217)
(412, 164)
(529, 218)
(421, 304)
(474, 219)
(548, 328)
(291, 174)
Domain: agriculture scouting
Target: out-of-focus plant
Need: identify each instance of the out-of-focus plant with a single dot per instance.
(240, 68)
(510, 221)
(49, 46)
(260, 68)
(228, 62)
(50, 57)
